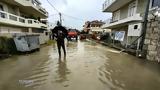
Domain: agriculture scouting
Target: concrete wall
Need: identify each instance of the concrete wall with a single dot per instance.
(10, 29)
(124, 12)
(125, 28)
(5, 7)
(10, 8)
(128, 40)
(43, 38)
(140, 8)
(152, 40)
(24, 2)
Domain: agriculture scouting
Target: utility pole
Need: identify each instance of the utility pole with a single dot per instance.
(144, 27)
(60, 17)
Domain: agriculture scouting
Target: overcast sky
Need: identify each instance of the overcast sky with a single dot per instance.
(82, 10)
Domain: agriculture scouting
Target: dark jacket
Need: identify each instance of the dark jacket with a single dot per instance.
(60, 33)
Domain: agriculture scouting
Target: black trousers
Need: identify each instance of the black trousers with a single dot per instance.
(60, 43)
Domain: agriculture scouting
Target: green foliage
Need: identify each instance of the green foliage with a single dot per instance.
(50, 42)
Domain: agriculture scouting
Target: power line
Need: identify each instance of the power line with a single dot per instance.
(73, 17)
(53, 15)
(53, 6)
(62, 13)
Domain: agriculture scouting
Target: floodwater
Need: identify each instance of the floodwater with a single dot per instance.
(88, 66)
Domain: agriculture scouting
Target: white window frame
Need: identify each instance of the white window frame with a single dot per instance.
(130, 6)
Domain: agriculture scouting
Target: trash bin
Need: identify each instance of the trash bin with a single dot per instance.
(26, 42)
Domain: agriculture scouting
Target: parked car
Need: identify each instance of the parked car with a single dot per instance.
(72, 33)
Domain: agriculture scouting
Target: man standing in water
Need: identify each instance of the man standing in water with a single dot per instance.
(59, 34)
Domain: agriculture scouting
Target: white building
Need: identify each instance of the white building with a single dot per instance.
(95, 27)
(23, 16)
(127, 18)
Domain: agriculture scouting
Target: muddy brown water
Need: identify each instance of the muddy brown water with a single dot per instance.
(88, 66)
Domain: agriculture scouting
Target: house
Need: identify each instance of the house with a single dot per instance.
(94, 27)
(127, 19)
(86, 27)
(23, 16)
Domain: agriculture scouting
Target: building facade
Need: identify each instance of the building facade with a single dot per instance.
(23, 16)
(94, 27)
(86, 27)
(127, 19)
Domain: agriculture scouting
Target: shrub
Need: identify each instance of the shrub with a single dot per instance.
(7, 46)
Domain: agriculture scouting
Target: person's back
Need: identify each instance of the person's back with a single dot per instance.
(60, 33)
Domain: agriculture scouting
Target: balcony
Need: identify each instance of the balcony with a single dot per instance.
(96, 29)
(32, 7)
(10, 19)
(114, 24)
(113, 5)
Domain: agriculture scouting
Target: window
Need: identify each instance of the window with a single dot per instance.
(116, 15)
(1, 8)
(155, 3)
(46, 33)
(132, 9)
(2, 15)
(135, 26)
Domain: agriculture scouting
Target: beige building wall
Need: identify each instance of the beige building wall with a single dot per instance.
(8, 30)
(141, 6)
(124, 10)
(10, 9)
(24, 2)
(125, 28)
(5, 6)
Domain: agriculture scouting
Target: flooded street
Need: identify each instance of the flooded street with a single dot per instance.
(88, 66)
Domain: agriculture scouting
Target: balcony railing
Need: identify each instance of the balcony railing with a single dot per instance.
(110, 22)
(37, 4)
(10, 18)
(107, 3)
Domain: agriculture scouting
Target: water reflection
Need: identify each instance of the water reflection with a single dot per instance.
(62, 70)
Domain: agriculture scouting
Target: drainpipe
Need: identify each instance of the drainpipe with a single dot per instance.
(144, 27)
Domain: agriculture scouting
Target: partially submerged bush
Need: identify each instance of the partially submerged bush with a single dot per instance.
(7, 46)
